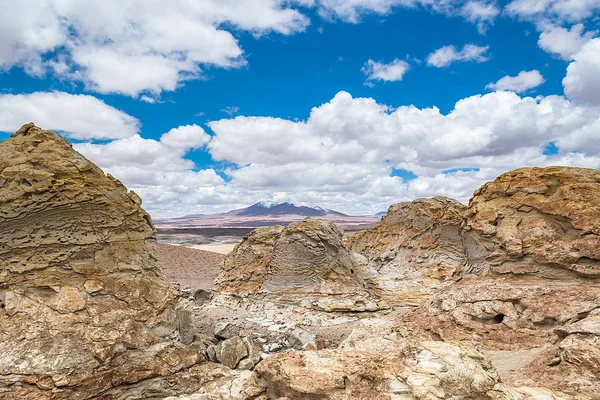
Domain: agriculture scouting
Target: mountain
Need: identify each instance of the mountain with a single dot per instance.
(381, 213)
(265, 213)
(264, 208)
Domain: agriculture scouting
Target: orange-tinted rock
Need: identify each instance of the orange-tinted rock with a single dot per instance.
(84, 305)
(543, 222)
(304, 264)
(414, 249)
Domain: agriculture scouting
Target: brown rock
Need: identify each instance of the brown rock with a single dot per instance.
(231, 351)
(425, 370)
(530, 282)
(543, 222)
(414, 249)
(304, 264)
(85, 308)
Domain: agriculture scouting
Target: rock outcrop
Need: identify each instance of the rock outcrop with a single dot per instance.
(414, 249)
(530, 282)
(84, 308)
(376, 364)
(542, 222)
(304, 264)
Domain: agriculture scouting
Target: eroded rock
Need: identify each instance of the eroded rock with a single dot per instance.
(86, 309)
(414, 249)
(305, 264)
(542, 222)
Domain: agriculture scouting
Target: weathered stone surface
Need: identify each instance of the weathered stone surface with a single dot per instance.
(303, 264)
(406, 370)
(542, 222)
(414, 249)
(298, 338)
(530, 281)
(499, 314)
(229, 352)
(206, 381)
(85, 307)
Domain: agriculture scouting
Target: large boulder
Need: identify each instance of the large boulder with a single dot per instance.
(531, 278)
(84, 307)
(304, 264)
(369, 366)
(542, 222)
(413, 250)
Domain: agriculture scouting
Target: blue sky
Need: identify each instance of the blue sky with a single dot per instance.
(528, 79)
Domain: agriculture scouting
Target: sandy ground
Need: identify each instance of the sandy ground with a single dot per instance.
(216, 248)
(189, 267)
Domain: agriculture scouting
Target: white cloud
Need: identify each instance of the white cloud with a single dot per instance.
(344, 152)
(343, 155)
(185, 137)
(78, 116)
(558, 10)
(447, 55)
(135, 46)
(377, 71)
(524, 81)
(564, 42)
(231, 110)
(582, 82)
(480, 12)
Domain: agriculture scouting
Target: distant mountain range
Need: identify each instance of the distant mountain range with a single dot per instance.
(265, 213)
(268, 208)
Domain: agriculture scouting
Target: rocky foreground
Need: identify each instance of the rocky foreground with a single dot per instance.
(439, 301)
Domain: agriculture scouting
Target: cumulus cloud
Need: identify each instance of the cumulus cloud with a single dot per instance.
(447, 55)
(185, 137)
(523, 82)
(480, 12)
(564, 42)
(77, 116)
(378, 71)
(560, 10)
(135, 46)
(344, 154)
(582, 82)
(345, 151)
(158, 169)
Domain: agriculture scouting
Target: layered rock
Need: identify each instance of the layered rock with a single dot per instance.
(305, 264)
(84, 308)
(374, 363)
(530, 281)
(542, 222)
(414, 249)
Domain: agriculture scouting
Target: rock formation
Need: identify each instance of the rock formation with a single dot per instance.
(374, 363)
(543, 222)
(530, 281)
(84, 308)
(85, 312)
(413, 250)
(304, 264)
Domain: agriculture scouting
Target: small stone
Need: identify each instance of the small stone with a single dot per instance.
(298, 338)
(93, 286)
(231, 351)
(225, 330)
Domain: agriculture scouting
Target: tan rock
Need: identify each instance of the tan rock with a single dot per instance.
(414, 249)
(85, 307)
(231, 351)
(408, 371)
(530, 280)
(304, 264)
(543, 222)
